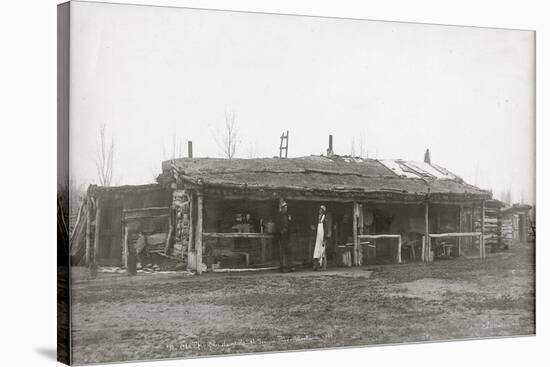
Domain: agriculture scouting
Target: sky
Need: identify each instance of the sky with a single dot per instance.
(153, 75)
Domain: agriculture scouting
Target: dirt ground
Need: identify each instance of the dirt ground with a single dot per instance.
(118, 318)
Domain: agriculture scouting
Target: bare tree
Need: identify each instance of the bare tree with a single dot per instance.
(359, 149)
(362, 144)
(508, 196)
(228, 139)
(252, 149)
(175, 149)
(104, 158)
(77, 193)
(154, 175)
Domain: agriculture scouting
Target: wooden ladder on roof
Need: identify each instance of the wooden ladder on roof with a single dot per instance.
(283, 145)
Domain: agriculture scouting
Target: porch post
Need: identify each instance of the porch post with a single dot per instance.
(423, 254)
(198, 238)
(482, 239)
(125, 247)
(360, 231)
(263, 243)
(427, 242)
(191, 225)
(399, 250)
(460, 229)
(97, 230)
(355, 239)
(88, 230)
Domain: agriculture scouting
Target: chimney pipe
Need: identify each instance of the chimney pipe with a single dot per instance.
(427, 157)
(330, 152)
(190, 149)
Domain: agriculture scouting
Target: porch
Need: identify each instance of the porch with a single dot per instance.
(238, 231)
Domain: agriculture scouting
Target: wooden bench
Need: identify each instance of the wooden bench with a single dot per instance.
(376, 236)
(229, 252)
(238, 235)
(426, 245)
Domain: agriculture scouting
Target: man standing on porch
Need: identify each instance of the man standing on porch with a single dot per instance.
(283, 231)
(319, 258)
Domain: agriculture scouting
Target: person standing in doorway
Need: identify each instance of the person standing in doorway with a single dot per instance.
(319, 252)
(283, 231)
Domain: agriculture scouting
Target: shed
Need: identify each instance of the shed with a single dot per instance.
(111, 216)
(516, 224)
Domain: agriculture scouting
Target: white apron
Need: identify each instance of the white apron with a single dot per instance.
(319, 250)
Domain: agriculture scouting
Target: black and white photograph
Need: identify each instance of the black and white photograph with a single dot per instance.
(267, 183)
(247, 182)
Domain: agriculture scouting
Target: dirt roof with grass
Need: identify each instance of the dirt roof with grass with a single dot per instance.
(324, 174)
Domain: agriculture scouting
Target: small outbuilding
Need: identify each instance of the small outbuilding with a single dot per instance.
(111, 218)
(516, 224)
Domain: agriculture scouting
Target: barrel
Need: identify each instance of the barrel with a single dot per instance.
(269, 227)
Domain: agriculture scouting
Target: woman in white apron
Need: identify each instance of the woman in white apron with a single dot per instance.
(319, 258)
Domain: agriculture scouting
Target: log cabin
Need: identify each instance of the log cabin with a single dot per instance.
(378, 210)
(220, 213)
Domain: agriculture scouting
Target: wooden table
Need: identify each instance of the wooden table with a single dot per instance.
(389, 235)
(454, 234)
(240, 235)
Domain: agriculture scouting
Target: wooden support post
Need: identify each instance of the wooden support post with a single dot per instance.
(399, 250)
(482, 238)
(472, 225)
(324, 267)
(97, 231)
(125, 247)
(198, 234)
(460, 229)
(264, 245)
(360, 230)
(264, 249)
(88, 230)
(191, 238)
(427, 232)
(423, 254)
(355, 239)
(309, 247)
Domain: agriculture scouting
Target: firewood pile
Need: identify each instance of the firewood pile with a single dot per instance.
(507, 230)
(181, 203)
(492, 227)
